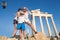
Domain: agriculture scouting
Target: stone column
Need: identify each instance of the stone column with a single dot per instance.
(48, 26)
(54, 26)
(42, 29)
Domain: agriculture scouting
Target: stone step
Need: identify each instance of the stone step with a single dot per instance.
(3, 38)
(38, 36)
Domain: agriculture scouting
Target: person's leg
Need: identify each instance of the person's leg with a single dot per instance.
(21, 35)
(27, 21)
(19, 27)
(24, 33)
(15, 25)
(15, 30)
(30, 24)
(23, 28)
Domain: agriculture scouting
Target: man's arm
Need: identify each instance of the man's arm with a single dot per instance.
(29, 11)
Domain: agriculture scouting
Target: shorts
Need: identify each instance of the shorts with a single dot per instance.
(15, 21)
(21, 26)
(27, 20)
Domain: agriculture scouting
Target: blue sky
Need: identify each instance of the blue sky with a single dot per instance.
(7, 15)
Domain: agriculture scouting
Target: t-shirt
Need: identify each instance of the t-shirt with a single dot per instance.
(21, 19)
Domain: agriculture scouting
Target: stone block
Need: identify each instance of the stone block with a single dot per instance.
(3, 38)
(31, 38)
(12, 39)
(40, 36)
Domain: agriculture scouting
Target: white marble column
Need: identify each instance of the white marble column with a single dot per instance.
(54, 26)
(48, 26)
(42, 29)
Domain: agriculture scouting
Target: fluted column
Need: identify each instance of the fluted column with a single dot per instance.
(48, 26)
(42, 29)
(54, 26)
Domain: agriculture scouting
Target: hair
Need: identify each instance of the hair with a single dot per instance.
(20, 9)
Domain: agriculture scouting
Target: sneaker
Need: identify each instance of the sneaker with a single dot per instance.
(12, 37)
(35, 32)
